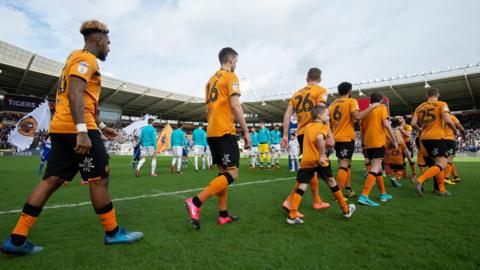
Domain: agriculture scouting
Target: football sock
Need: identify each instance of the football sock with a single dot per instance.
(342, 176)
(454, 170)
(441, 184)
(381, 184)
(174, 161)
(196, 162)
(108, 219)
(367, 186)
(203, 163)
(348, 183)
(154, 165)
(448, 170)
(339, 197)
(222, 199)
(218, 184)
(28, 217)
(314, 188)
(432, 171)
(140, 164)
(296, 200)
(290, 196)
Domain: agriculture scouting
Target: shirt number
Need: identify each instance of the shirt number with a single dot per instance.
(212, 94)
(304, 106)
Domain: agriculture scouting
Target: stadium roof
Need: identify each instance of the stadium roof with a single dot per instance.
(27, 73)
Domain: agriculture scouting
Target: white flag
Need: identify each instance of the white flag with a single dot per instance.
(25, 130)
(135, 127)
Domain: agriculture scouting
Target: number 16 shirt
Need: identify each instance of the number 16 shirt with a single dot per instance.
(221, 86)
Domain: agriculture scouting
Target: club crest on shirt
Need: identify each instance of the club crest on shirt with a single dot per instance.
(235, 86)
(28, 126)
(83, 67)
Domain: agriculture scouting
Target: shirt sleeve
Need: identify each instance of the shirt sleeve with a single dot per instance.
(384, 114)
(354, 106)
(444, 108)
(233, 85)
(83, 67)
(321, 96)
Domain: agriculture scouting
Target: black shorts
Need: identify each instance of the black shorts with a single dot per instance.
(451, 147)
(396, 167)
(344, 150)
(435, 148)
(225, 152)
(300, 143)
(65, 163)
(304, 175)
(376, 153)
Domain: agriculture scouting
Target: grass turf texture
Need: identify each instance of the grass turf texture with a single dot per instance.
(408, 232)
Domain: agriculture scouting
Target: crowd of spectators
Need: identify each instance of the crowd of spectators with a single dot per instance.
(469, 120)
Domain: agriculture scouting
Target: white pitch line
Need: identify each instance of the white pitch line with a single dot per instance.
(69, 205)
(55, 206)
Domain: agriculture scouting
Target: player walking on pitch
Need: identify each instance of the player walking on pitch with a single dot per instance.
(199, 138)
(301, 104)
(76, 144)
(315, 160)
(430, 118)
(343, 111)
(376, 126)
(148, 147)
(223, 105)
(276, 150)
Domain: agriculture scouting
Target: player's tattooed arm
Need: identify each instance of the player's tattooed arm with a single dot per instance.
(76, 90)
(448, 121)
(286, 124)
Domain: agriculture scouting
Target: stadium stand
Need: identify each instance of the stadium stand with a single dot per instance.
(29, 74)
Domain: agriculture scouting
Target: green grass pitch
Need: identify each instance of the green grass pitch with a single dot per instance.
(406, 233)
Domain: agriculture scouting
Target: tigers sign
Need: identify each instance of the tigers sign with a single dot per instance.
(15, 103)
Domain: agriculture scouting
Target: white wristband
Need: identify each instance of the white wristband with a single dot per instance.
(102, 125)
(82, 127)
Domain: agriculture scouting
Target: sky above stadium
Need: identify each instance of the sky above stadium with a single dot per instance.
(173, 45)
